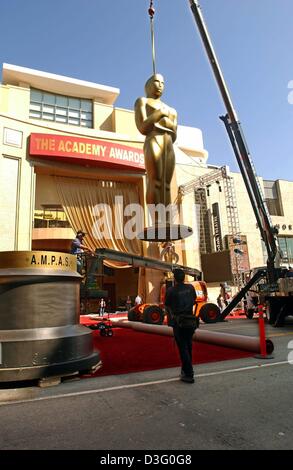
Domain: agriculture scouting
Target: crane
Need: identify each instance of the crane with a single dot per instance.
(273, 271)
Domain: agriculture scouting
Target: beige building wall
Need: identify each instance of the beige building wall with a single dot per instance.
(124, 123)
(285, 189)
(247, 219)
(17, 177)
(17, 182)
(103, 117)
(18, 101)
(4, 92)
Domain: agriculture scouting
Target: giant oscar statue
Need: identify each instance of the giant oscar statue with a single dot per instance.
(158, 122)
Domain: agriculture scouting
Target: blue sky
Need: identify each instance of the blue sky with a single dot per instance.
(108, 42)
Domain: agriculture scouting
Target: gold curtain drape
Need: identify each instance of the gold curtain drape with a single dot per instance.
(85, 200)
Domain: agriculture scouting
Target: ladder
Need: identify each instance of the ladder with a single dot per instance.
(231, 206)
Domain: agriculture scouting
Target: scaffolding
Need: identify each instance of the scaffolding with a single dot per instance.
(219, 175)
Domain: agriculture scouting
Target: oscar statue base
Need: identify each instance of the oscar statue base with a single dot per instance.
(165, 232)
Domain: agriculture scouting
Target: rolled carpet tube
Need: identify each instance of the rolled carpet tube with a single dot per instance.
(247, 343)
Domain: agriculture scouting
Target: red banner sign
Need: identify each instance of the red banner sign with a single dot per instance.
(86, 151)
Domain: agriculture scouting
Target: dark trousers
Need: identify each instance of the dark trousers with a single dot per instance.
(79, 264)
(183, 338)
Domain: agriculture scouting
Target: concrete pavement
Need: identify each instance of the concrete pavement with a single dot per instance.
(240, 404)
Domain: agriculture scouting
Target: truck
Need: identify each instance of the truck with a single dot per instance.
(273, 281)
(277, 303)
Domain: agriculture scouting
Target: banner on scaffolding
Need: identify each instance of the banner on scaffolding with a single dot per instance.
(217, 227)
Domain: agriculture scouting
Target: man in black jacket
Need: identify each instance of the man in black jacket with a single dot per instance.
(179, 302)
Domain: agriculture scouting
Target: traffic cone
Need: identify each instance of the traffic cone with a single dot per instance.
(262, 336)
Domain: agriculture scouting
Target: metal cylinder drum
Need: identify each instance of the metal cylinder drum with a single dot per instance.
(40, 334)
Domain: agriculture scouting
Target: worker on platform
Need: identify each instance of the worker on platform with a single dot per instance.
(78, 247)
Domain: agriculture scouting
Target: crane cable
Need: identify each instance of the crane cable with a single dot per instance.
(151, 12)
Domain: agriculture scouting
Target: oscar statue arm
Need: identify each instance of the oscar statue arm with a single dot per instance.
(171, 123)
(144, 123)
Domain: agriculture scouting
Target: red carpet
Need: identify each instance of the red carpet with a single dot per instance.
(236, 313)
(131, 351)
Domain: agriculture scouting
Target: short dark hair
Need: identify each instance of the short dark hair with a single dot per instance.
(80, 232)
(179, 275)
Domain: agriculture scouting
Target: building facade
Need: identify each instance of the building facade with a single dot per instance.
(70, 159)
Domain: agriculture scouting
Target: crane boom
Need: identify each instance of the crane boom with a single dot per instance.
(233, 127)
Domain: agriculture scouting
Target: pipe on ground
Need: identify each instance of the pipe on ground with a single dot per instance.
(247, 343)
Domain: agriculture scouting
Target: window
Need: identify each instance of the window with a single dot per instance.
(272, 198)
(286, 246)
(51, 216)
(63, 109)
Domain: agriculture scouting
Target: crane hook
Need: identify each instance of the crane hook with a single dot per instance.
(151, 10)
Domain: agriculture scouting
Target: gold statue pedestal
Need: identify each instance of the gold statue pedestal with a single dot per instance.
(165, 232)
(41, 336)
